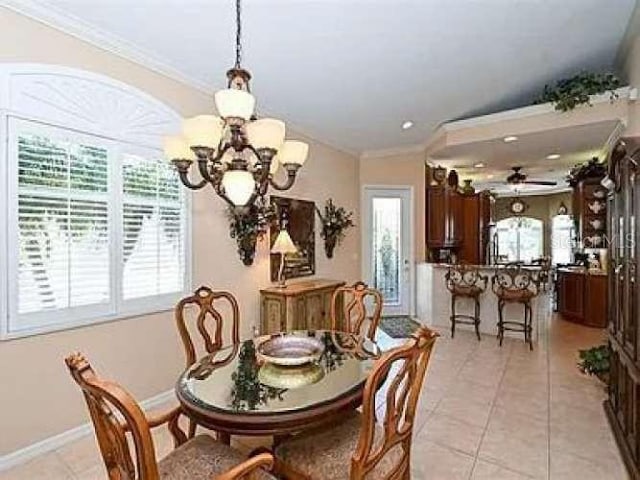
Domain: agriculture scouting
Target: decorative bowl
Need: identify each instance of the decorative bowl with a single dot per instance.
(290, 350)
(278, 376)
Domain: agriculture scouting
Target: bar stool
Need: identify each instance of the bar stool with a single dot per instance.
(514, 284)
(465, 281)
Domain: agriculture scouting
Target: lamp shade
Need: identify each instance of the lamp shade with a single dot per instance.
(293, 151)
(283, 243)
(231, 102)
(275, 165)
(203, 131)
(266, 133)
(238, 186)
(176, 147)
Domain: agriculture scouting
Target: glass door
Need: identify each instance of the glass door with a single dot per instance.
(387, 249)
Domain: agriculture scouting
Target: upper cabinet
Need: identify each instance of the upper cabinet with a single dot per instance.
(457, 225)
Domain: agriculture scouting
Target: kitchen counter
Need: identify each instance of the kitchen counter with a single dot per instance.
(434, 303)
(582, 296)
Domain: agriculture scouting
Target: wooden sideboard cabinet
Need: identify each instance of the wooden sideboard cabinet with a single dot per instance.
(299, 306)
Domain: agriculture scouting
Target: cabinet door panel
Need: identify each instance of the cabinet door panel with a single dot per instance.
(315, 311)
(273, 315)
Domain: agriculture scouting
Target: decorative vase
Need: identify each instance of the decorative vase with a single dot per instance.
(330, 244)
(467, 188)
(439, 175)
(247, 248)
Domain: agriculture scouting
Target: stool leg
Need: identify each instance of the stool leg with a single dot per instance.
(476, 319)
(528, 325)
(500, 320)
(453, 315)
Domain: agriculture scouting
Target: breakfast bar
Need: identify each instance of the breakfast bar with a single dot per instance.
(433, 306)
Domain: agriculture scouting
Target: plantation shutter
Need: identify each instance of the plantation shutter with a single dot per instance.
(153, 221)
(62, 223)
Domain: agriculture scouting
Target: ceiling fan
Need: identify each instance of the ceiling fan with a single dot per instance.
(519, 178)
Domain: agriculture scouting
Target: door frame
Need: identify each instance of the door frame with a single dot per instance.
(366, 227)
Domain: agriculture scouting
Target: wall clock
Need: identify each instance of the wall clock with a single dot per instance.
(517, 206)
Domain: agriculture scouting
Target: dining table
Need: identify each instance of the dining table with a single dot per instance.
(235, 391)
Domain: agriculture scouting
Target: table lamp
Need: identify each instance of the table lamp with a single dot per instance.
(283, 245)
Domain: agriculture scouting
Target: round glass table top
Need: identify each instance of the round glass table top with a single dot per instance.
(237, 379)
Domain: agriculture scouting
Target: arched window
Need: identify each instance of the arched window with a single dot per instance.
(94, 222)
(520, 239)
(562, 233)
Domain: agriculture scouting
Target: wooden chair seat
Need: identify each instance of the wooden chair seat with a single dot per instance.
(202, 458)
(325, 453)
(374, 445)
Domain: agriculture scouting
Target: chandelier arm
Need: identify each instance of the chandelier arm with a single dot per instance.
(182, 166)
(184, 178)
(291, 178)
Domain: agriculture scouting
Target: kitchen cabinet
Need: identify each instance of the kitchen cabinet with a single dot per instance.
(582, 297)
(458, 223)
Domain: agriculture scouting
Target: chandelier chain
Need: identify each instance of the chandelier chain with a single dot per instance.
(238, 35)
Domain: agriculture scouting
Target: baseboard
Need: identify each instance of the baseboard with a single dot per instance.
(55, 442)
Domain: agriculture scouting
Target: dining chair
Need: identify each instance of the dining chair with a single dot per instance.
(115, 414)
(357, 446)
(349, 309)
(206, 299)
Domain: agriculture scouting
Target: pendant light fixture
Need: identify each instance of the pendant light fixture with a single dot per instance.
(236, 153)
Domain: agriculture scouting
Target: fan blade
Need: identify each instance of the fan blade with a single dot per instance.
(540, 182)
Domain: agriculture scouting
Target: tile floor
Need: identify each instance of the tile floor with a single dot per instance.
(486, 413)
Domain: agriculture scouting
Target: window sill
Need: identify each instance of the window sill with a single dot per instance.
(138, 308)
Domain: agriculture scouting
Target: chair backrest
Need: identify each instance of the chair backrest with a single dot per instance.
(465, 276)
(106, 401)
(354, 309)
(205, 298)
(402, 394)
(513, 279)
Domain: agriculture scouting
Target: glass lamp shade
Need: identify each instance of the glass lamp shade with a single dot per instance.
(176, 147)
(275, 164)
(283, 244)
(293, 151)
(203, 131)
(266, 133)
(238, 185)
(231, 102)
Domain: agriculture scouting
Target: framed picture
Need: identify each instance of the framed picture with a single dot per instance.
(298, 217)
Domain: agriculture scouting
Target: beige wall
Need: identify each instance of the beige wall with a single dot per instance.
(406, 170)
(37, 396)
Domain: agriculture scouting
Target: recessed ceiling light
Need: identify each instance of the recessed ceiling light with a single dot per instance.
(553, 156)
(407, 125)
(479, 165)
(510, 138)
(490, 176)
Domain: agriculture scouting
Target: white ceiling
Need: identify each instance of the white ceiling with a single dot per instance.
(575, 145)
(350, 72)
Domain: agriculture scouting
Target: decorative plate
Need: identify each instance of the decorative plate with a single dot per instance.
(290, 350)
(278, 376)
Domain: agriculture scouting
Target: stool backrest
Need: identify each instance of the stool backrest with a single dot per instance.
(514, 278)
(465, 276)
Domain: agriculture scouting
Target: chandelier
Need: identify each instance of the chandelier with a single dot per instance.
(237, 153)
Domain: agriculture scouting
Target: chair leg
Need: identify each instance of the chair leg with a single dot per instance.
(476, 317)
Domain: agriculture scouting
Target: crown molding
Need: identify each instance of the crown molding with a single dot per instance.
(393, 152)
(84, 31)
(78, 28)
